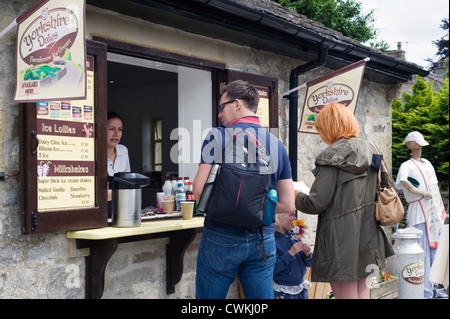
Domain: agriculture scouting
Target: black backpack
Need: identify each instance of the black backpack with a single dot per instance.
(240, 189)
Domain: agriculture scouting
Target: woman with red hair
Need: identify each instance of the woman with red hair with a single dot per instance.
(350, 246)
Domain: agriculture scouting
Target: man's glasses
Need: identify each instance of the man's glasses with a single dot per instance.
(221, 106)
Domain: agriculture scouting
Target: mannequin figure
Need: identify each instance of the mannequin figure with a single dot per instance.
(417, 178)
(416, 154)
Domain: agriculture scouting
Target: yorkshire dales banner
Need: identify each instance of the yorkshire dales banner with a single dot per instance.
(51, 52)
(341, 86)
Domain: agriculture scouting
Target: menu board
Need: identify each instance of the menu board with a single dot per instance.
(66, 151)
(263, 106)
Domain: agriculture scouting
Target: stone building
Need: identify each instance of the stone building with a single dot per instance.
(166, 60)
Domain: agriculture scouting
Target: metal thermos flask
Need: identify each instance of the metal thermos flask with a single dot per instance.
(207, 189)
(127, 198)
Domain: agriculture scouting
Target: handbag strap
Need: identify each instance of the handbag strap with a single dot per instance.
(383, 169)
(379, 169)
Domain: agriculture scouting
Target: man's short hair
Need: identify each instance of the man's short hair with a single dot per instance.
(243, 91)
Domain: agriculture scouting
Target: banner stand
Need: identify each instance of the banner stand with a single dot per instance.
(305, 84)
(8, 28)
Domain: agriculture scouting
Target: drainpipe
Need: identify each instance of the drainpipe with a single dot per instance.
(293, 105)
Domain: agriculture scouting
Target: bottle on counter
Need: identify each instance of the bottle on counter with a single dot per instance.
(167, 187)
(186, 183)
(180, 196)
(190, 196)
(189, 191)
(180, 180)
(174, 185)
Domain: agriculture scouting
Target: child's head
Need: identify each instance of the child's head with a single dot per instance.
(283, 221)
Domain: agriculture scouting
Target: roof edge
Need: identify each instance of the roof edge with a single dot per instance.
(336, 47)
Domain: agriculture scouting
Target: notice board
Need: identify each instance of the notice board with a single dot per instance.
(268, 96)
(63, 153)
(66, 151)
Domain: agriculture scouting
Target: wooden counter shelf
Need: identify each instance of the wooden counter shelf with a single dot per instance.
(103, 242)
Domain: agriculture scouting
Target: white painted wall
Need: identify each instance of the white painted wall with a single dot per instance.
(194, 117)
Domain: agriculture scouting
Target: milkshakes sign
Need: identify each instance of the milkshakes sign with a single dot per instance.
(51, 52)
(341, 86)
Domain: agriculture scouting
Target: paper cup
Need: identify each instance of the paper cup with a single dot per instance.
(168, 205)
(187, 209)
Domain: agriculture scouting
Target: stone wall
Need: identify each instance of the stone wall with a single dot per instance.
(138, 270)
(39, 266)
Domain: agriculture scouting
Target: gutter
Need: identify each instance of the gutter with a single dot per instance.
(227, 14)
(293, 105)
(342, 51)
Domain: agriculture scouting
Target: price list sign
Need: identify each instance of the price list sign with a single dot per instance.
(263, 107)
(66, 151)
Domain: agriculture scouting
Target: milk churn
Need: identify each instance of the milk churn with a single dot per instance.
(408, 263)
(127, 198)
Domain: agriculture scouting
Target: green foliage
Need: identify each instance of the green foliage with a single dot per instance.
(426, 111)
(380, 45)
(442, 47)
(344, 16)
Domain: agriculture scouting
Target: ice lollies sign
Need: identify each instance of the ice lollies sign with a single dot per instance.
(51, 54)
(66, 151)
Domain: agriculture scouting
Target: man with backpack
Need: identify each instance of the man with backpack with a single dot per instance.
(230, 247)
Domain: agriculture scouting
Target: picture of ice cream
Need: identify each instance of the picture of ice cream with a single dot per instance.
(43, 169)
(88, 130)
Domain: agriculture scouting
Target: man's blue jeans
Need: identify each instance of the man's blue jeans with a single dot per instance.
(225, 252)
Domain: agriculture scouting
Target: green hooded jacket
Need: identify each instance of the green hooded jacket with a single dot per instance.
(349, 242)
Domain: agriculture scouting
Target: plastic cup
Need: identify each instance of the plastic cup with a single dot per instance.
(159, 199)
(187, 209)
(168, 205)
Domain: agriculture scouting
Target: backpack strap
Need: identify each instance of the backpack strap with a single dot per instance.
(261, 154)
(250, 134)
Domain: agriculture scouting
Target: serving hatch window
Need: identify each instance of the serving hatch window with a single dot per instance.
(165, 110)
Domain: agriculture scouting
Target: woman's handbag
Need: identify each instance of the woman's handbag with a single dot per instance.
(388, 206)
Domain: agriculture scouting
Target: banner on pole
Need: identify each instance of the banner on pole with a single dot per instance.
(51, 52)
(341, 86)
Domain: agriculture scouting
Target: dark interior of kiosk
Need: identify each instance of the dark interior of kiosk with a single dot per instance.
(147, 100)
